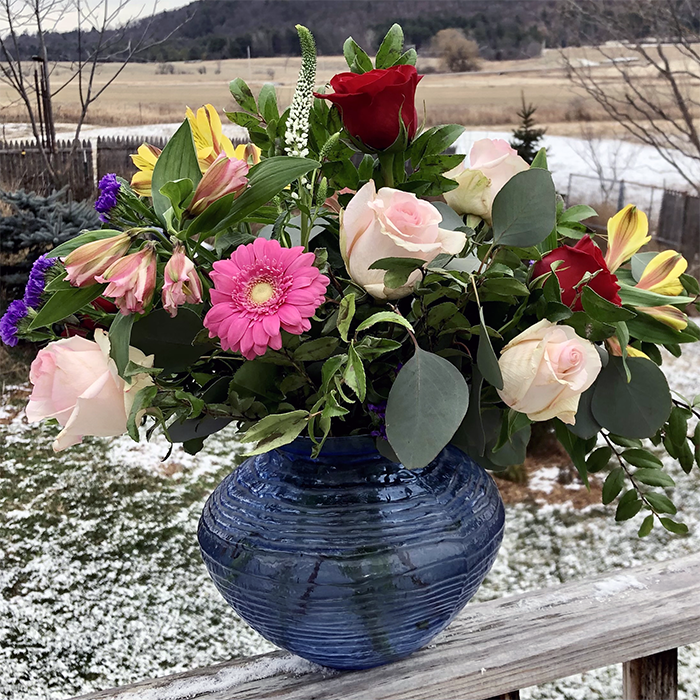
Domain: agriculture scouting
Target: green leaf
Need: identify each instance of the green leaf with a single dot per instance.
(524, 211)
(639, 457)
(143, 399)
(660, 502)
(275, 430)
(358, 61)
(678, 426)
(398, 270)
(370, 348)
(346, 311)
(647, 526)
(577, 213)
(650, 330)
(586, 425)
(627, 509)
(265, 180)
(243, 95)
(426, 405)
(177, 192)
(690, 284)
(119, 340)
(602, 310)
(643, 297)
(267, 103)
(434, 141)
(257, 379)
(486, 358)
(86, 237)
(65, 303)
(636, 409)
(177, 161)
(654, 477)
(408, 58)
(575, 448)
(540, 160)
(331, 367)
(354, 375)
(674, 527)
(169, 339)
(384, 317)
(314, 350)
(613, 485)
(391, 48)
(598, 459)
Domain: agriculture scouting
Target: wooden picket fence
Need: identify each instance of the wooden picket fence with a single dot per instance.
(637, 617)
(679, 226)
(22, 165)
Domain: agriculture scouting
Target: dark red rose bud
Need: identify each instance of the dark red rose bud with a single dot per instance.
(372, 103)
(584, 257)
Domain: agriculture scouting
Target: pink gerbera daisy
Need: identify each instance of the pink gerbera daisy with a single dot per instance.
(263, 289)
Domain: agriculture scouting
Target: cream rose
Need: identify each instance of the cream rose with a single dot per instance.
(76, 382)
(391, 224)
(492, 163)
(545, 370)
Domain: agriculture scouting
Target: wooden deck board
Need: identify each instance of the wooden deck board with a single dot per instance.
(492, 648)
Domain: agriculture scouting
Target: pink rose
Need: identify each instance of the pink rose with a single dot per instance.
(545, 370)
(492, 163)
(391, 224)
(76, 382)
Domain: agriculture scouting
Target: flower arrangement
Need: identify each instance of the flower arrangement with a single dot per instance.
(344, 275)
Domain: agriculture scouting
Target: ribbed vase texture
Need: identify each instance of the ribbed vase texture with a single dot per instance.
(350, 560)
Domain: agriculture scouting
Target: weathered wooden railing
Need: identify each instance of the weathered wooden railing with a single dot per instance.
(637, 617)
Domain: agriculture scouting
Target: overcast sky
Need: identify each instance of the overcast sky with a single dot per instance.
(133, 8)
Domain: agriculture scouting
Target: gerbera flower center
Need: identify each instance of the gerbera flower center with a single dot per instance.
(261, 292)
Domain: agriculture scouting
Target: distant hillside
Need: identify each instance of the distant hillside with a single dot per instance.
(218, 29)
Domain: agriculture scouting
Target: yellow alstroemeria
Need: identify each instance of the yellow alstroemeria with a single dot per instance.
(662, 274)
(208, 135)
(145, 160)
(616, 349)
(627, 232)
(669, 315)
(248, 152)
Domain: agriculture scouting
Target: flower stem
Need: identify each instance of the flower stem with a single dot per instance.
(386, 163)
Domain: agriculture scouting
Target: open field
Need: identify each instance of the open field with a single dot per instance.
(147, 92)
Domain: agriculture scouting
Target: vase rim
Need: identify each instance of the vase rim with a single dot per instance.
(347, 444)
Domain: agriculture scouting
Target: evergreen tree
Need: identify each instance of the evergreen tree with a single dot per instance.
(526, 138)
(31, 225)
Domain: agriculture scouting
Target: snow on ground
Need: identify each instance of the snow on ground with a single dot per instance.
(101, 583)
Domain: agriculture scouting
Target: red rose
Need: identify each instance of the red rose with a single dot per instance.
(584, 257)
(370, 103)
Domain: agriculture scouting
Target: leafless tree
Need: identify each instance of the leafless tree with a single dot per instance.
(641, 64)
(102, 37)
(609, 159)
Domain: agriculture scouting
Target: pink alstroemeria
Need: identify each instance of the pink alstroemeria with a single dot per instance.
(224, 176)
(92, 259)
(132, 280)
(181, 283)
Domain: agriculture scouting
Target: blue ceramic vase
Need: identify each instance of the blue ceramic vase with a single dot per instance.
(350, 560)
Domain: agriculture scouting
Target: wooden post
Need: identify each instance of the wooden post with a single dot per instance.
(652, 677)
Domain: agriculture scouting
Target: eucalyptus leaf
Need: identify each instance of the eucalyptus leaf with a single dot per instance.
(635, 409)
(486, 358)
(524, 210)
(426, 405)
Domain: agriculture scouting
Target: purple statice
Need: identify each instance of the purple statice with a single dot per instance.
(37, 281)
(109, 187)
(379, 412)
(16, 311)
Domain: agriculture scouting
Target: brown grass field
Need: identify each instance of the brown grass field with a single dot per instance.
(488, 98)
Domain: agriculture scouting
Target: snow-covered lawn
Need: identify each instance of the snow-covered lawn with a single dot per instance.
(101, 582)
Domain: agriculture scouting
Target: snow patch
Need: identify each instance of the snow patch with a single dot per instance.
(617, 584)
(544, 479)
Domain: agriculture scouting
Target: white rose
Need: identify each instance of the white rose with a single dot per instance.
(391, 224)
(545, 370)
(492, 163)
